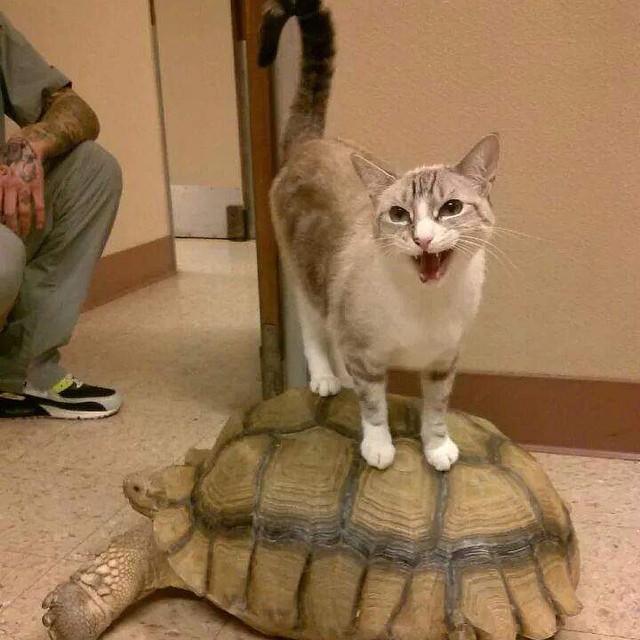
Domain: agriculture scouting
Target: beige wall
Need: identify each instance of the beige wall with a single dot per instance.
(106, 49)
(419, 82)
(198, 86)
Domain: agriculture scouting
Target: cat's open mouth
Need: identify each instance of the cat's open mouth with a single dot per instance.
(432, 266)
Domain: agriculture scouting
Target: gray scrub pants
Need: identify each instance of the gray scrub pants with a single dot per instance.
(44, 280)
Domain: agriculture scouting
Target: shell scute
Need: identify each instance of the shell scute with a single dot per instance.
(484, 502)
(192, 560)
(382, 591)
(230, 558)
(484, 602)
(274, 588)
(302, 483)
(329, 612)
(554, 512)
(227, 492)
(557, 577)
(535, 613)
(294, 410)
(421, 614)
(171, 525)
(398, 503)
(472, 439)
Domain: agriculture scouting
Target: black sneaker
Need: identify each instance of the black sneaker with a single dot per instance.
(69, 399)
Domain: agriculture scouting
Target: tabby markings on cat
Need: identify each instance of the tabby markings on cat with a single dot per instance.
(387, 269)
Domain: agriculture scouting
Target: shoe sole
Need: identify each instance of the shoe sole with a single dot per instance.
(48, 412)
(68, 414)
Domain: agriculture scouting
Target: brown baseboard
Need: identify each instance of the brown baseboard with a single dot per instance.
(560, 415)
(125, 271)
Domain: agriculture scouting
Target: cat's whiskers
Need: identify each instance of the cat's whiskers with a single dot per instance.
(502, 259)
(519, 234)
(487, 243)
(465, 250)
(498, 249)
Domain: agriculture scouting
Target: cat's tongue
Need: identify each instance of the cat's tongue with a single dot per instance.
(429, 266)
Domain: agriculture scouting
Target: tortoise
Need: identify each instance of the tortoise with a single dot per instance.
(283, 525)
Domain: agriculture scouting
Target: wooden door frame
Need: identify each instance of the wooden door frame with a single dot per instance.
(260, 165)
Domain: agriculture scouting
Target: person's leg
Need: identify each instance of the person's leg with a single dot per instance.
(82, 193)
(12, 261)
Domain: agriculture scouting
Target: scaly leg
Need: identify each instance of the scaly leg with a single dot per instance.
(131, 568)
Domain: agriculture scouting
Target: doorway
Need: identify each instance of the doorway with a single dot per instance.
(219, 141)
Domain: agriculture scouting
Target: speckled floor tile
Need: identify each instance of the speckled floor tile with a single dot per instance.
(18, 437)
(126, 518)
(170, 614)
(610, 582)
(597, 490)
(22, 619)
(140, 437)
(18, 571)
(48, 510)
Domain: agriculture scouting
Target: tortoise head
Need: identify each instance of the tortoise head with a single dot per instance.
(145, 492)
(150, 492)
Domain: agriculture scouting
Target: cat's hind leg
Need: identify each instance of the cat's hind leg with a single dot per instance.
(439, 449)
(322, 379)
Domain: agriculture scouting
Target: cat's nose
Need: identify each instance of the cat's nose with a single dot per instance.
(423, 243)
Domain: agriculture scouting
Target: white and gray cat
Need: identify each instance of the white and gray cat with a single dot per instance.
(387, 269)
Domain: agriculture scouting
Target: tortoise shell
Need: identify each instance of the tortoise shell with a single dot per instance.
(285, 526)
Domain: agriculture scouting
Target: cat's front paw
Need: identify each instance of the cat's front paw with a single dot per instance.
(441, 453)
(325, 385)
(377, 449)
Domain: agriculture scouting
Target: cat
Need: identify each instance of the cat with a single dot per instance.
(387, 269)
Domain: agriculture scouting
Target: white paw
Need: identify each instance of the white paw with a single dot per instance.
(441, 454)
(378, 450)
(325, 386)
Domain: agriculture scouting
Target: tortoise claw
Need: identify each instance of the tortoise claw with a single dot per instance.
(49, 600)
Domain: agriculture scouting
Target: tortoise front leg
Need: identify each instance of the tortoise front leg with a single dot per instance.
(131, 568)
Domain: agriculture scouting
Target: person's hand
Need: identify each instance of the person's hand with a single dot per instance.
(21, 186)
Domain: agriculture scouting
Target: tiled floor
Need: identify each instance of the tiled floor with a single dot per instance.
(185, 353)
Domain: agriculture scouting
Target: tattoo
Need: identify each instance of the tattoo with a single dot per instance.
(67, 121)
(18, 154)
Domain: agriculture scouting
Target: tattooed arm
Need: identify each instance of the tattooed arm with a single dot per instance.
(66, 122)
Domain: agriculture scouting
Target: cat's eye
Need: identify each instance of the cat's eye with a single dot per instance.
(398, 214)
(450, 208)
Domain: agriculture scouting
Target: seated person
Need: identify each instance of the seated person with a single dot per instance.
(59, 194)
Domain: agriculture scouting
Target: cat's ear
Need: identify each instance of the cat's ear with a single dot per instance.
(481, 162)
(375, 178)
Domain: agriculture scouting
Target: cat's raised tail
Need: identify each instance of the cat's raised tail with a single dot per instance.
(309, 108)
